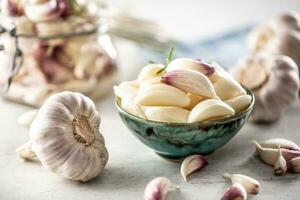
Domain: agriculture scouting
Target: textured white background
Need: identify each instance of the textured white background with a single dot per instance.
(131, 164)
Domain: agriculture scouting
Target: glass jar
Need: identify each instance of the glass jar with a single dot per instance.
(40, 58)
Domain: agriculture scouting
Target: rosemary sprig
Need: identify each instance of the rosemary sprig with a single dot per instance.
(168, 60)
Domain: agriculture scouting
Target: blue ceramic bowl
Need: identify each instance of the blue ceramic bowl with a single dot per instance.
(178, 140)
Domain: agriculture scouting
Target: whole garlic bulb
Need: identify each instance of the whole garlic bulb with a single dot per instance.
(65, 137)
(274, 81)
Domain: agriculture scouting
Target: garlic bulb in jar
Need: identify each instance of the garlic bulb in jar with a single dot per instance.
(65, 137)
(274, 81)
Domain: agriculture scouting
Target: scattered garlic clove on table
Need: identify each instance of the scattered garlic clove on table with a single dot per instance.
(251, 185)
(158, 189)
(239, 103)
(162, 95)
(235, 192)
(209, 109)
(283, 143)
(280, 166)
(192, 163)
(190, 81)
(294, 164)
(65, 137)
(166, 114)
(150, 71)
(26, 118)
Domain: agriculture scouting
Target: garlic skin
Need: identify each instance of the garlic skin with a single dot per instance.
(190, 81)
(270, 156)
(158, 189)
(239, 103)
(280, 166)
(277, 91)
(294, 164)
(283, 143)
(251, 185)
(27, 118)
(166, 114)
(192, 163)
(208, 110)
(150, 71)
(235, 192)
(162, 95)
(65, 137)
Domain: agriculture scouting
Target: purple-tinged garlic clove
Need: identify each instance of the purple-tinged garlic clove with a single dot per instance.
(11, 8)
(283, 143)
(294, 164)
(166, 114)
(210, 109)
(162, 95)
(158, 189)
(191, 164)
(280, 166)
(190, 81)
(150, 71)
(270, 155)
(235, 192)
(251, 185)
(239, 103)
(191, 64)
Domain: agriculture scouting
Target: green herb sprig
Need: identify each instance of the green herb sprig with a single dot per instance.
(168, 60)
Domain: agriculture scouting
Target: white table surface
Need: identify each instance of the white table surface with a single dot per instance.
(131, 165)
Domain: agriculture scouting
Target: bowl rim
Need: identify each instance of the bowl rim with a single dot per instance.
(220, 121)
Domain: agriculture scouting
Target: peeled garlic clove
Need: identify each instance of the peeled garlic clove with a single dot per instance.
(158, 189)
(195, 99)
(152, 81)
(150, 71)
(239, 103)
(166, 114)
(209, 109)
(162, 95)
(280, 166)
(191, 164)
(25, 152)
(190, 81)
(235, 192)
(27, 118)
(250, 184)
(294, 164)
(269, 155)
(191, 64)
(127, 89)
(283, 143)
(129, 105)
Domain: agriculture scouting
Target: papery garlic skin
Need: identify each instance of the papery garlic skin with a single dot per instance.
(294, 164)
(210, 109)
(239, 103)
(190, 81)
(166, 114)
(150, 71)
(251, 185)
(158, 189)
(280, 166)
(283, 143)
(191, 164)
(66, 139)
(162, 95)
(235, 192)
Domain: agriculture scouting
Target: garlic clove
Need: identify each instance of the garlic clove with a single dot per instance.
(150, 71)
(192, 163)
(283, 143)
(294, 164)
(280, 166)
(269, 155)
(190, 81)
(195, 99)
(25, 152)
(127, 89)
(239, 103)
(191, 64)
(235, 192)
(251, 185)
(129, 105)
(162, 95)
(166, 114)
(27, 118)
(158, 189)
(152, 81)
(209, 109)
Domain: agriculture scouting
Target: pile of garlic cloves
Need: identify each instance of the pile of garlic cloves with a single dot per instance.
(182, 91)
(280, 153)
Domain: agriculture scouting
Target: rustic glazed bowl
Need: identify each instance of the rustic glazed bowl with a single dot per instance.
(178, 140)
